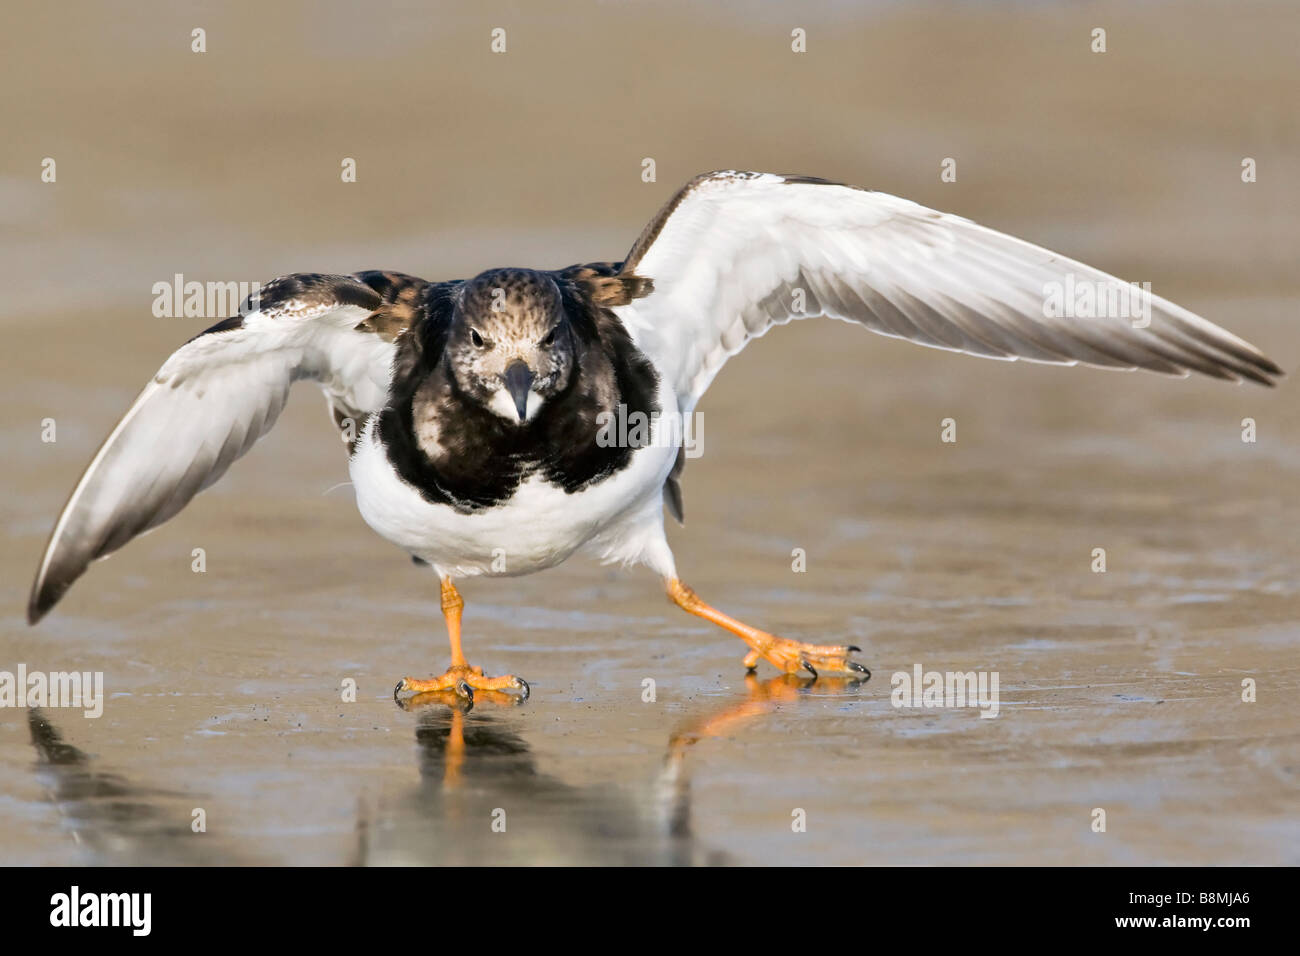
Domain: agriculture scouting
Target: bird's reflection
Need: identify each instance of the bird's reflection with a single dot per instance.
(483, 800)
(111, 819)
(761, 697)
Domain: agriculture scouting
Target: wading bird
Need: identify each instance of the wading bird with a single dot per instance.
(475, 409)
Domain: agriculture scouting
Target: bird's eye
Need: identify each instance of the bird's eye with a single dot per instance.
(476, 338)
(550, 338)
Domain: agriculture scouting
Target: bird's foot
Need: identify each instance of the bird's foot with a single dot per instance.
(451, 698)
(463, 680)
(790, 657)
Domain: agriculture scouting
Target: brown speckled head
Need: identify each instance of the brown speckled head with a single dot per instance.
(510, 345)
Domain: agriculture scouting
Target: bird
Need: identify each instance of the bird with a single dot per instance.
(477, 412)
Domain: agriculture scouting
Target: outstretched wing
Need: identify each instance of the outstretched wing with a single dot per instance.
(734, 253)
(217, 395)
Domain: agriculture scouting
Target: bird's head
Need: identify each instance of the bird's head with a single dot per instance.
(511, 347)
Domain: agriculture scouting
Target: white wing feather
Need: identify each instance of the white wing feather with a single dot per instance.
(208, 404)
(732, 252)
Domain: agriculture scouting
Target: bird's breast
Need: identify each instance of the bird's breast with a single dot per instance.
(538, 525)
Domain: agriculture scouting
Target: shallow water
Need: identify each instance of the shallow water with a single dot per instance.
(1119, 690)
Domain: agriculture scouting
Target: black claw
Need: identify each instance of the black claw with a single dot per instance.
(811, 670)
(854, 649)
(527, 690)
(855, 666)
(401, 686)
(466, 694)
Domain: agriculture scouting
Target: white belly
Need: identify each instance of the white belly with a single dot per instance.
(538, 527)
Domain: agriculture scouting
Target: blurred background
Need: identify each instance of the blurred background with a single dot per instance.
(1119, 690)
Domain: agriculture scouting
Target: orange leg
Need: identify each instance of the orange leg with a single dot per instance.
(785, 655)
(461, 676)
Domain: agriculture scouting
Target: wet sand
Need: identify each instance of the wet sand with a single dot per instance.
(1119, 690)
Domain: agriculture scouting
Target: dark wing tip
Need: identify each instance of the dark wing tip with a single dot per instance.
(1262, 371)
(57, 573)
(46, 593)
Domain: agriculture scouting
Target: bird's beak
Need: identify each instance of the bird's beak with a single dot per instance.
(519, 379)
